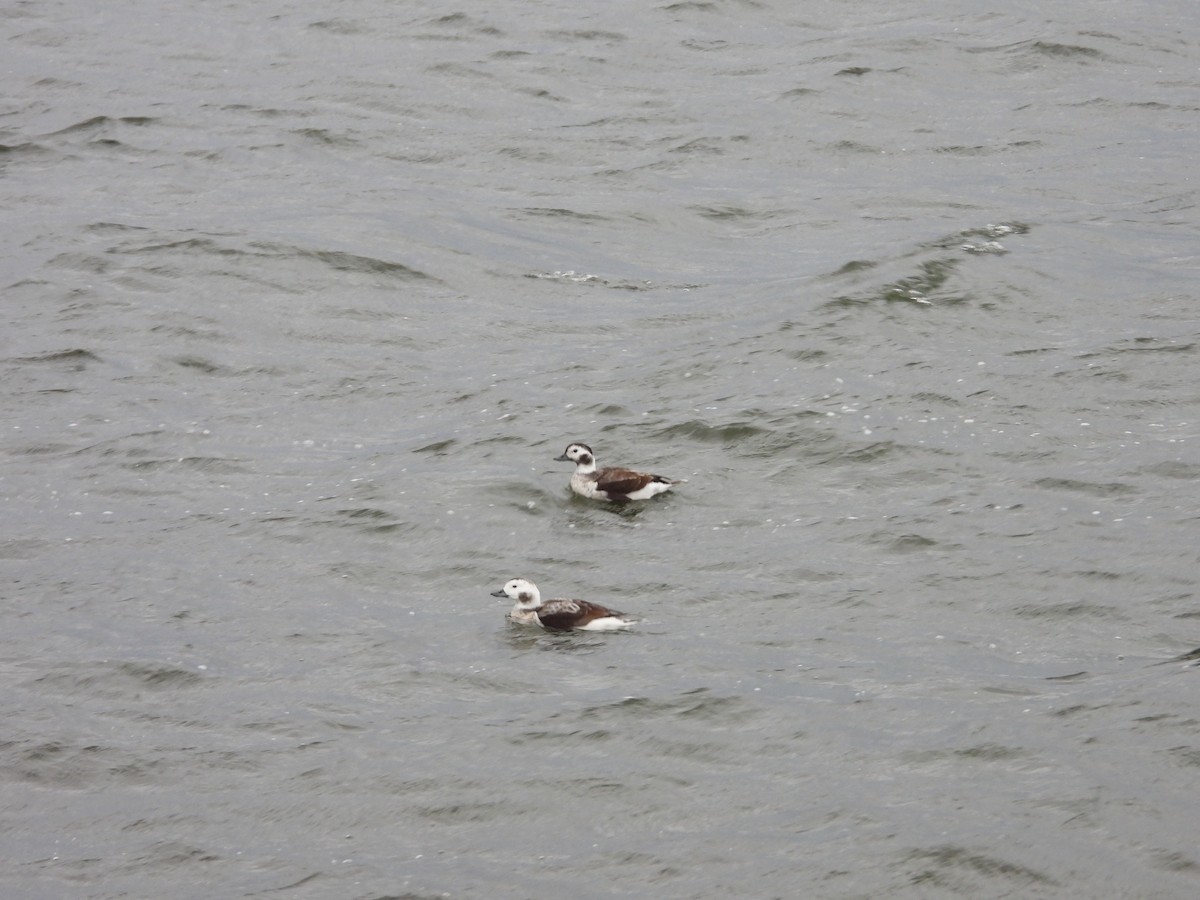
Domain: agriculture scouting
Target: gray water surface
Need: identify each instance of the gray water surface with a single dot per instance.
(300, 301)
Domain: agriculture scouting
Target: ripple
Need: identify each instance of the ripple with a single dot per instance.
(700, 705)
(76, 360)
(437, 448)
(374, 521)
(469, 813)
(101, 123)
(950, 866)
(729, 433)
(1065, 51)
(1091, 488)
(1069, 610)
(539, 212)
(24, 151)
(212, 464)
(904, 543)
(339, 26)
(120, 679)
(74, 766)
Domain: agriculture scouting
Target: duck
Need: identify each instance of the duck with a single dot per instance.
(615, 484)
(559, 615)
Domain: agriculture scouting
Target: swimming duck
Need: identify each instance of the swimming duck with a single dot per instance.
(616, 484)
(559, 615)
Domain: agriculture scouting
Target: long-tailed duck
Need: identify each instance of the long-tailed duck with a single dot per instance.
(618, 485)
(559, 615)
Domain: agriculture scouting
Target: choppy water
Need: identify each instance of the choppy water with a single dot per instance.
(300, 300)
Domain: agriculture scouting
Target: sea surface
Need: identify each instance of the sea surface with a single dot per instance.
(300, 300)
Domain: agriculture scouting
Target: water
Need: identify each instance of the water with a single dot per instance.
(301, 301)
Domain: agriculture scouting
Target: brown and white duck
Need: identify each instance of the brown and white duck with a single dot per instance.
(559, 615)
(613, 483)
